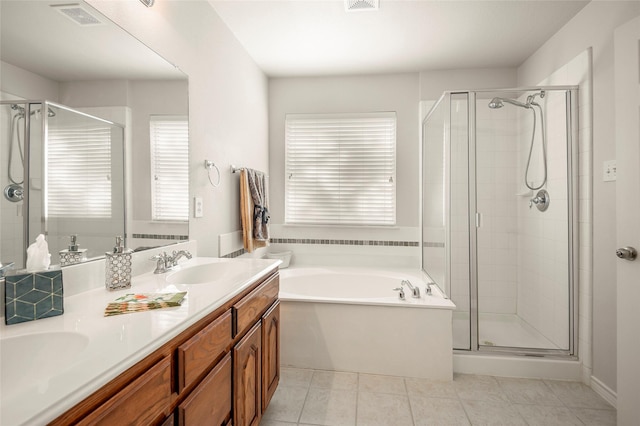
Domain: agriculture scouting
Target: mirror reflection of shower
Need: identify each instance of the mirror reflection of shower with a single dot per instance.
(497, 102)
(14, 191)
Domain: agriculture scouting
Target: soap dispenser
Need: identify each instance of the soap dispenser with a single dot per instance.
(74, 254)
(118, 267)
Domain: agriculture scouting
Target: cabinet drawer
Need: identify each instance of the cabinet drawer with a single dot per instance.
(143, 402)
(250, 308)
(197, 355)
(210, 401)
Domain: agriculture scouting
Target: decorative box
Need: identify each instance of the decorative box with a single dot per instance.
(33, 296)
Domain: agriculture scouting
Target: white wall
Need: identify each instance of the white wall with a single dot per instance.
(433, 83)
(593, 27)
(228, 115)
(372, 93)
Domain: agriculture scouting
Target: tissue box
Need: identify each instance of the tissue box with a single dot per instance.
(33, 296)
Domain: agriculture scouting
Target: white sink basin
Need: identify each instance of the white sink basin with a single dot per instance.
(32, 359)
(206, 273)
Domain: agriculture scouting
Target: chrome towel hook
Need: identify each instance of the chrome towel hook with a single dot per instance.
(211, 165)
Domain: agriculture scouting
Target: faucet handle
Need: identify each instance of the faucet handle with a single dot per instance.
(401, 292)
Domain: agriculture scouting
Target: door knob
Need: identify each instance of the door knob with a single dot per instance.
(627, 253)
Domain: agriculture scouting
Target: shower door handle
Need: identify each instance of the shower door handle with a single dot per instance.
(627, 253)
(478, 220)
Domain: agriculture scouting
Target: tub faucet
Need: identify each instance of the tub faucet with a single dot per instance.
(401, 292)
(415, 291)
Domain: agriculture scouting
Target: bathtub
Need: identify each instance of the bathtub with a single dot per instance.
(351, 319)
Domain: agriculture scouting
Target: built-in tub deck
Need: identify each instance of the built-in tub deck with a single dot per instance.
(351, 319)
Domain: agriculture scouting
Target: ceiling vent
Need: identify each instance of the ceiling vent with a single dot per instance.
(361, 5)
(77, 14)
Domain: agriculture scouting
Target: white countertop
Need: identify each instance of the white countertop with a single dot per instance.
(39, 386)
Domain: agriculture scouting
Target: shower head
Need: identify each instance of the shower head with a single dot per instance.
(499, 103)
(496, 103)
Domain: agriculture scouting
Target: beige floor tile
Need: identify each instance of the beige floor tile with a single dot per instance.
(528, 391)
(330, 407)
(286, 404)
(541, 415)
(430, 388)
(381, 384)
(380, 409)
(267, 422)
(335, 380)
(295, 376)
(493, 413)
(437, 411)
(577, 395)
(591, 417)
(478, 388)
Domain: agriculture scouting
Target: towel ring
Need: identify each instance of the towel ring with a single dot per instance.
(211, 165)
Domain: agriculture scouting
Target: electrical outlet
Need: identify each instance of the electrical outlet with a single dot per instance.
(610, 172)
(198, 207)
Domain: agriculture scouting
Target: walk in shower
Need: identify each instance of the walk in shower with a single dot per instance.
(499, 217)
(61, 173)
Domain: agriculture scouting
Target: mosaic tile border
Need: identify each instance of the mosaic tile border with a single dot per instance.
(161, 237)
(345, 242)
(234, 254)
(431, 244)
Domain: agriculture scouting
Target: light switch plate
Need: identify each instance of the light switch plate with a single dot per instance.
(198, 210)
(609, 171)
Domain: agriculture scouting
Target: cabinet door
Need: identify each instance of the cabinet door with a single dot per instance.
(198, 354)
(143, 402)
(210, 401)
(247, 379)
(270, 353)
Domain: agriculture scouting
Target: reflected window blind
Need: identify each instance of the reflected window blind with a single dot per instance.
(78, 167)
(169, 168)
(340, 169)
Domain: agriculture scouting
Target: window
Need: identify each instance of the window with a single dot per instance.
(340, 169)
(78, 168)
(169, 168)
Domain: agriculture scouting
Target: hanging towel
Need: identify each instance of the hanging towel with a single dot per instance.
(254, 209)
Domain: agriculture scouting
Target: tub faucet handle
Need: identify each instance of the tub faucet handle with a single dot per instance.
(415, 291)
(401, 292)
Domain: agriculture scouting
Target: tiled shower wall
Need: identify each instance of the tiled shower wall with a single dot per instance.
(497, 195)
(543, 261)
(541, 302)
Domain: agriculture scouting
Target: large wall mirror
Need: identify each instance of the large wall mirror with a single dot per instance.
(93, 134)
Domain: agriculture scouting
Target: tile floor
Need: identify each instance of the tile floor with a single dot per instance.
(313, 397)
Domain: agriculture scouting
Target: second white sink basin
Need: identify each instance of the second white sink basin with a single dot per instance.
(205, 273)
(31, 359)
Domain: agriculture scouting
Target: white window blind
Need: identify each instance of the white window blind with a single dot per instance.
(169, 168)
(78, 168)
(340, 169)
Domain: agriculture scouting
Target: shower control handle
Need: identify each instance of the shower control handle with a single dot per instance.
(627, 253)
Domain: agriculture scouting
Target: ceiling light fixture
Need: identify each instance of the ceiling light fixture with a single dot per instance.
(147, 3)
(361, 5)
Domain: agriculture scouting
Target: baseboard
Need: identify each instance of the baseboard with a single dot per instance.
(604, 391)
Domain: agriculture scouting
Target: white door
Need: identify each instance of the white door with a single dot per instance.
(627, 74)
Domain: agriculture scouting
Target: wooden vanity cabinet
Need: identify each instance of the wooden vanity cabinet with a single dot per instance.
(247, 378)
(221, 371)
(270, 353)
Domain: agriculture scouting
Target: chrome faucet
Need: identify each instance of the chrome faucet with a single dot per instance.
(177, 255)
(165, 262)
(415, 291)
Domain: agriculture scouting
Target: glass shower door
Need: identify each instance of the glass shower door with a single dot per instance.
(522, 233)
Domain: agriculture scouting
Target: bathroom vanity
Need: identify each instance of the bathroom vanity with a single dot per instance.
(213, 360)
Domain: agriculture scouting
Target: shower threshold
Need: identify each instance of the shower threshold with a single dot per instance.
(501, 330)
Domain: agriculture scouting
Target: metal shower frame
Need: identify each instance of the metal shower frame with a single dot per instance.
(572, 216)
